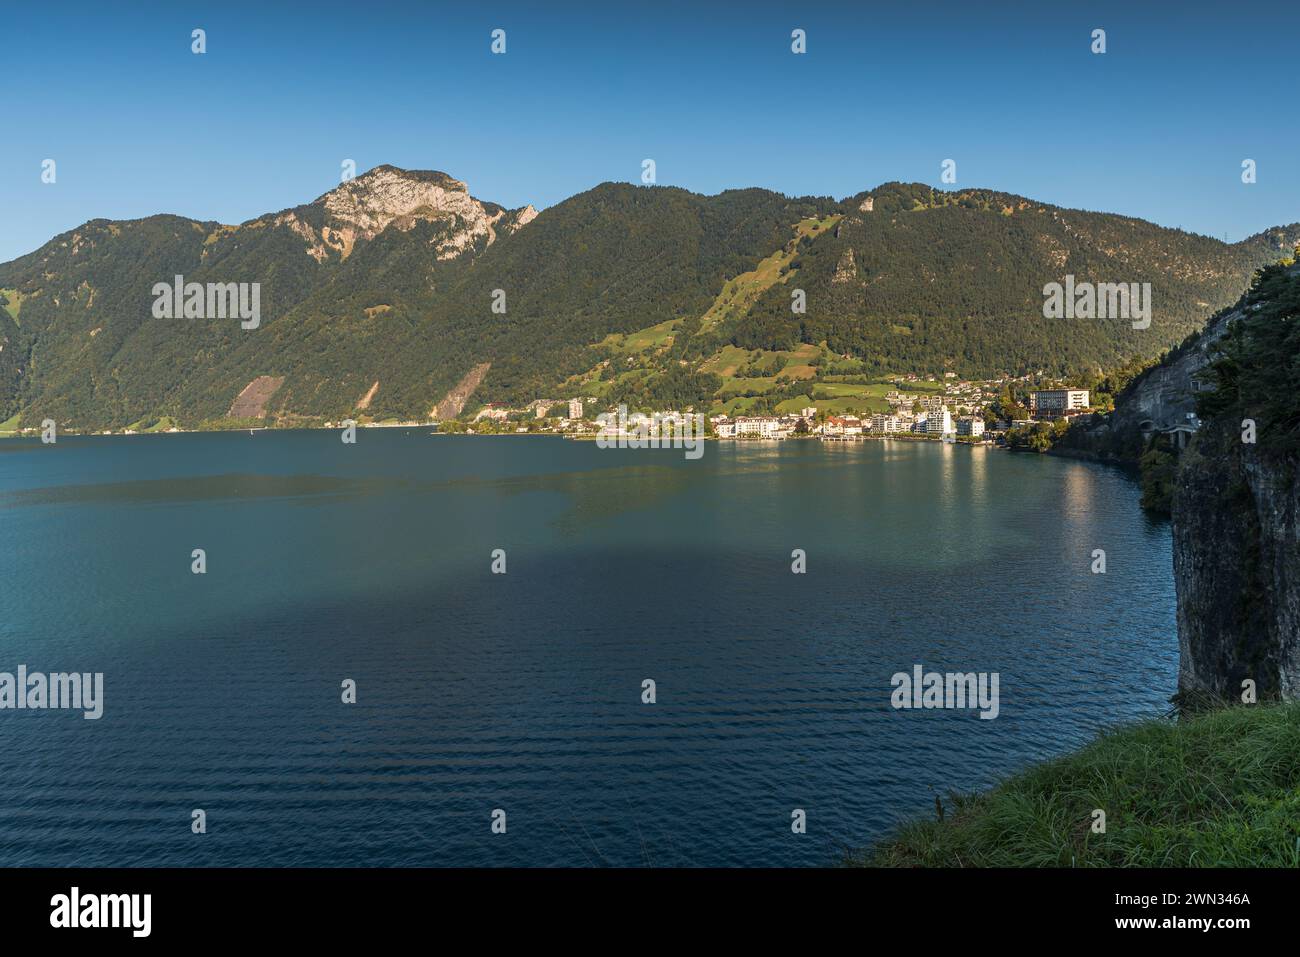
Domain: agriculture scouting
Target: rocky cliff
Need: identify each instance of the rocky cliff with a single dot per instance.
(1159, 402)
(1162, 399)
(1236, 509)
(362, 208)
(1236, 569)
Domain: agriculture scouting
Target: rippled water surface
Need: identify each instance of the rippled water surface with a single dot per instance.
(523, 691)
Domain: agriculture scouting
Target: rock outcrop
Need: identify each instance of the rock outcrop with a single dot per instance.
(454, 402)
(847, 269)
(1236, 569)
(387, 197)
(1236, 532)
(1165, 397)
(1159, 401)
(251, 401)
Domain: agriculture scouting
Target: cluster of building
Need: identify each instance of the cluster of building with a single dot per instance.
(939, 422)
(540, 409)
(935, 421)
(958, 411)
(762, 426)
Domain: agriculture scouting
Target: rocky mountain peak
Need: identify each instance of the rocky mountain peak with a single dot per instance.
(387, 196)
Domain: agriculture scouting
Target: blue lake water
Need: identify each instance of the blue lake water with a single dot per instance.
(522, 691)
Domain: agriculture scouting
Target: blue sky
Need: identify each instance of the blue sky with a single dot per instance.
(1157, 127)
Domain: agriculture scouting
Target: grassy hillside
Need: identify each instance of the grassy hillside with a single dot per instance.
(1221, 789)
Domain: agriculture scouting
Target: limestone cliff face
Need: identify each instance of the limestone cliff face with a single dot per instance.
(1166, 395)
(847, 270)
(387, 197)
(1161, 399)
(1236, 538)
(1236, 569)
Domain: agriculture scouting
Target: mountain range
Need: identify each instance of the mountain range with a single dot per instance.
(398, 295)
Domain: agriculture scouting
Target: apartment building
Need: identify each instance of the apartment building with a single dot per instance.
(939, 423)
(1054, 403)
(885, 424)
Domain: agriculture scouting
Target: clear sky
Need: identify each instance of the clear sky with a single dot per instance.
(1157, 127)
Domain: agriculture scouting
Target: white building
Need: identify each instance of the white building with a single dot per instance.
(1053, 403)
(972, 427)
(575, 408)
(885, 423)
(843, 425)
(939, 422)
(765, 427)
(933, 403)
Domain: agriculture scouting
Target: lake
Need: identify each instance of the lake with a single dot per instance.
(522, 691)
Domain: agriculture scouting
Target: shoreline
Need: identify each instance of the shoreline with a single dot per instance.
(570, 436)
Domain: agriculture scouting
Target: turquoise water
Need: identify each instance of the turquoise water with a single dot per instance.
(522, 691)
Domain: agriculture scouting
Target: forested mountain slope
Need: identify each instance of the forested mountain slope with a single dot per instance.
(377, 298)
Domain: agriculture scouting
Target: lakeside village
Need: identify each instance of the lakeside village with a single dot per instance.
(1005, 411)
(961, 412)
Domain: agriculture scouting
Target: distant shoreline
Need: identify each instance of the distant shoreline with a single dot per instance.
(570, 436)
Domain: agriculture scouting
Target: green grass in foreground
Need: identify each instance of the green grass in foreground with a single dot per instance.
(1218, 790)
